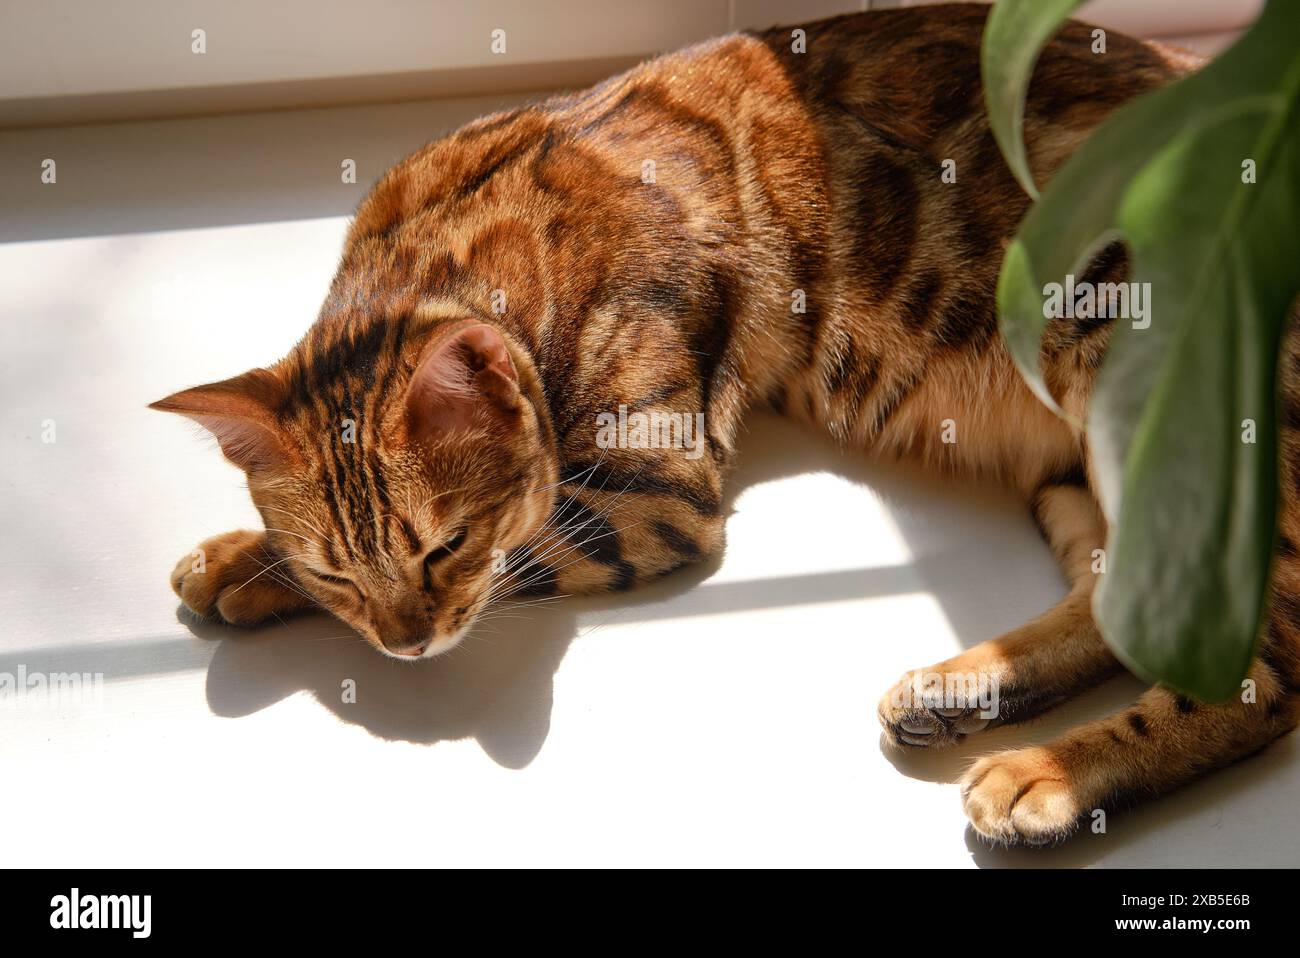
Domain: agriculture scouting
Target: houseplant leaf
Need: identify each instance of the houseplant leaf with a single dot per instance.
(1192, 508)
(1013, 37)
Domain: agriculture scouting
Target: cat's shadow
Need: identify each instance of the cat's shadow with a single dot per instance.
(496, 687)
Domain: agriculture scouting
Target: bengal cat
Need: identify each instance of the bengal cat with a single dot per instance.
(758, 221)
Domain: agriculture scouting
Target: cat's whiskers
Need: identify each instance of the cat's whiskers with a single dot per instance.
(299, 535)
(279, 577)
(522, 552)
(603, 514)
(561, 544)
(489, 613)
(314, 528)
(263, 571)
(552, 570)
(555, 569)
(556, 513)
(540, 600)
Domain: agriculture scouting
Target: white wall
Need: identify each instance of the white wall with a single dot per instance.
(77, 60)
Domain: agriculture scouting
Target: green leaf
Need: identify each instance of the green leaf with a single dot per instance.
(1013, 37)
(1192, 508)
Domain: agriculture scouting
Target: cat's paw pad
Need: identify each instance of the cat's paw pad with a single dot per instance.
(1020, 796)
(227, 578)
(913, 719)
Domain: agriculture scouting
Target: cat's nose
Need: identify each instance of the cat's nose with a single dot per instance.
(401, 634)
(407, 647)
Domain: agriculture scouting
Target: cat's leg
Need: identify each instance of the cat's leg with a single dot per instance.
(622, 519)
(1037, 795)
(1040, 794)
(1027, 670)
(237, 578)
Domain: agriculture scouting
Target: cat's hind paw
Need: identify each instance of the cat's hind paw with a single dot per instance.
(1020, 796)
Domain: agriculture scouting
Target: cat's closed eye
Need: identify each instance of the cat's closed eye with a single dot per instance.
(447, 548)
(441, 552)
(340, 582)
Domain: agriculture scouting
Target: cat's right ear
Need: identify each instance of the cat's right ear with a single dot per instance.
(240, 413)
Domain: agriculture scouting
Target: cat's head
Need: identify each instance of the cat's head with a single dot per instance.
(393, 473)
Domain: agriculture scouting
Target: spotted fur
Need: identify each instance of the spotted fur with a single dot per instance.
(737, 225)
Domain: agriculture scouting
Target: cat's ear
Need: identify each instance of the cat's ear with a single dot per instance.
(464, 378)
(240, 413)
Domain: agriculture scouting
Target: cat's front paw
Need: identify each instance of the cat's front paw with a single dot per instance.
(920, 712)
(232, 577)
(1021, 796)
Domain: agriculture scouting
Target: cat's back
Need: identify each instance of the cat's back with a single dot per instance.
(689, 125)
(912, 73)
(693, 200)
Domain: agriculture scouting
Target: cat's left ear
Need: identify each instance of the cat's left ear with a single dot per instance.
(463, 378)
(240, 413)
